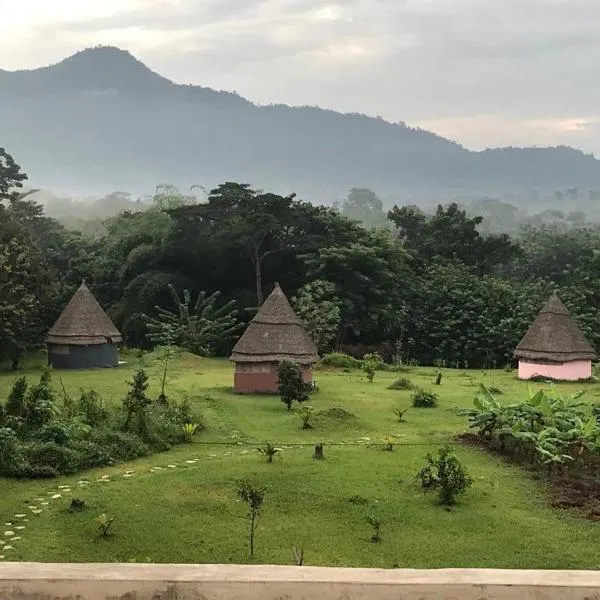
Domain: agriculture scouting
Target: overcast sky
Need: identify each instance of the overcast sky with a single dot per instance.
(483, 72)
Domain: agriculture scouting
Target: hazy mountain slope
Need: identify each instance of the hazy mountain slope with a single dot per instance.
(101, 120)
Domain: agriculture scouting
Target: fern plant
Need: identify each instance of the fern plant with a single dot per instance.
(269, 451)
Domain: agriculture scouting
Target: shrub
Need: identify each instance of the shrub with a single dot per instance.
(39, 404)
(292, 387)
(15, 403)
(136, 403)
(424, 399)
(445, 474)
(54, 432)
(339, 360)
(90, 408)
(12, 461)
(402, 384)
(370, 363)
(189, 429)
(119, 445)
(50, 455)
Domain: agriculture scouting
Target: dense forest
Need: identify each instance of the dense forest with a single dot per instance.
(432, 288)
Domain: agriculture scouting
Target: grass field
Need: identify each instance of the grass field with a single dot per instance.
(181, 506)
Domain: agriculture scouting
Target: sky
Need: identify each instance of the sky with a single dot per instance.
(482, 72)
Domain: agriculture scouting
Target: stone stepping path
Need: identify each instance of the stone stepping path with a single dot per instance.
(14, 533)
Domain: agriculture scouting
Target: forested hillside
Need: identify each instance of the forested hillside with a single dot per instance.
(101, 121)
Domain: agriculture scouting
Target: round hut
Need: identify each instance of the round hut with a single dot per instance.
(274, 334)
(83, 337)
(555, 347)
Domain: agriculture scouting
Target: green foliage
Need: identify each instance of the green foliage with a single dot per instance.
(402, 384)
(548, 428)
(370, 363)
(104, 524)
(269, 451)
(339, 360)
(291, 385)
(424, 399)
(15, 403)
(253, 496)
(389, 442)
(306, 414)
(399, 414)
(446, 475)
(83, 435)
(136, 404)
(189, 429)
(198, 327)
(375, 523)
(319, 309)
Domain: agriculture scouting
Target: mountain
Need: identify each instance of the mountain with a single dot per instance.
(101, 120)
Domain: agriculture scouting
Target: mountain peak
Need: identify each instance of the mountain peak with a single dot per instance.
(101, 68)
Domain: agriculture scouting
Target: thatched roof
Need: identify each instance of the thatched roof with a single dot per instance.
(275, 334)
(83, 322)
(554, 336)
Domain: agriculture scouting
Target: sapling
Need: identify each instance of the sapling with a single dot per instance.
(298, 555)
(269, 451)
(399, 414)
(104, 523)
(253, 497)
(306, 415)
(370, 363)
(319, 452)
(375, 524)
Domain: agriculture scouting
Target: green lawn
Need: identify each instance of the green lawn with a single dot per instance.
(189, 513)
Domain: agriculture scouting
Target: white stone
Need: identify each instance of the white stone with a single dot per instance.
(16, 538)
(9, 533)
(7, 547)
(172, 466)
(20, 527)
(56, 496)
(45, 503)
(21, 516)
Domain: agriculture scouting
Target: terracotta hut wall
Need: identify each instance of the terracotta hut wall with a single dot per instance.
(569, 371)
(261, 378)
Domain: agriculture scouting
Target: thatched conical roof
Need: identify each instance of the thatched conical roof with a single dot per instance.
(554, 336)
(83, 322)
(275, 334)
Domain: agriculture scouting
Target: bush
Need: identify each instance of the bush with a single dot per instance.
(339, 360)
(370, 364)
(12, 460)
(119, 445)
(90, 408)
(424, 399)
(292, 387)
(445, 474)
(402, 384)
(54, 432)
(15, 403)
(46, 456)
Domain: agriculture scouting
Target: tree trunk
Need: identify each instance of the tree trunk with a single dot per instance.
(252, 520)
(258, 279)
(15, 363)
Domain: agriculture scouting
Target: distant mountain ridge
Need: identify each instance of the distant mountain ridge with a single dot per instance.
(101, 120)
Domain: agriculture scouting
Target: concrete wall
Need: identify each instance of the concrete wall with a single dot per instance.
(83, 357)
(570, 371)
(30, 581)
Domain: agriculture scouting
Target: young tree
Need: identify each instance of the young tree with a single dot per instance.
(11, 177)
(319, 309)
(446, 475)
(253, 496)
(292, 387)
(136, 403)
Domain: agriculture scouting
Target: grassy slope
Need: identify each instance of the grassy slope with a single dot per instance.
(189, 513)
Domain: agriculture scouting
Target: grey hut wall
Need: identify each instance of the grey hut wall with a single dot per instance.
(83, 357)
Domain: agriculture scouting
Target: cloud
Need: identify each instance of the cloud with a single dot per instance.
(486, 73)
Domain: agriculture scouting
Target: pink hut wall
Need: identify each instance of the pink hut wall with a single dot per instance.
(570, 371)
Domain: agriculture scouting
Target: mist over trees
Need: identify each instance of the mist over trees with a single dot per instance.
(436, 284)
